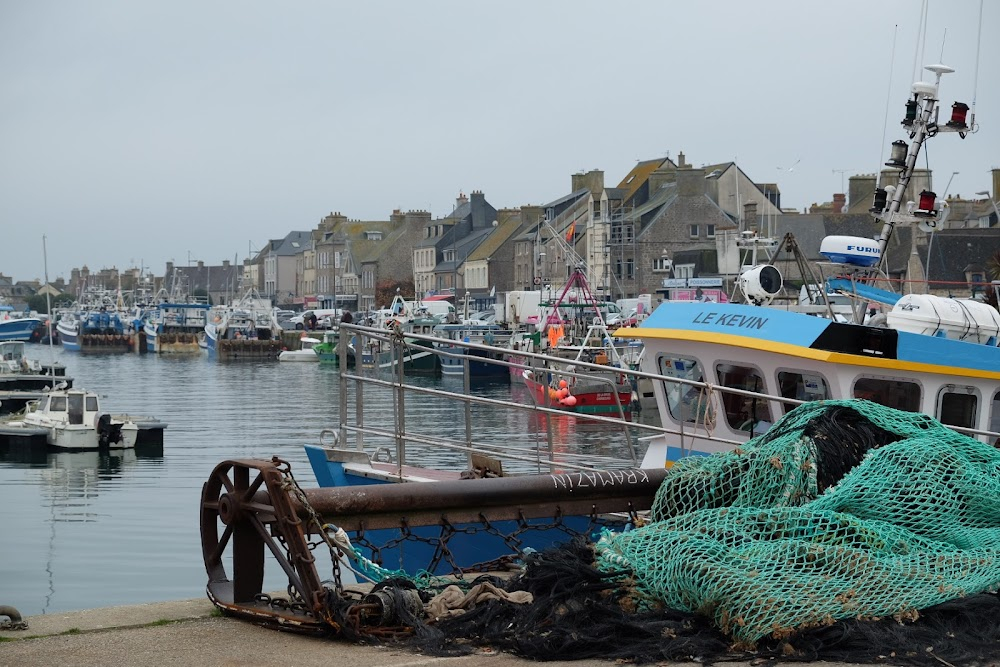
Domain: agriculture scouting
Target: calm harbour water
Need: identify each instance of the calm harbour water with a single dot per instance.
(82, 530)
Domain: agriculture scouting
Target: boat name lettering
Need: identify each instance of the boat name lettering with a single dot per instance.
(722, 320)
(579, 480)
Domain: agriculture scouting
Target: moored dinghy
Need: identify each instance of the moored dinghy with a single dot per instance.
(73, 419)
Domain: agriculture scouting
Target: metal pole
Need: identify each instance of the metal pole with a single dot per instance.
(342, 364)
(359, 388)
(468, 404)
(397, 360)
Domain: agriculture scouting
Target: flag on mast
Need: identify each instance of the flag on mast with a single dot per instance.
(571, 232)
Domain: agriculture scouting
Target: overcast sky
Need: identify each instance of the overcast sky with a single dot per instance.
(139, 132)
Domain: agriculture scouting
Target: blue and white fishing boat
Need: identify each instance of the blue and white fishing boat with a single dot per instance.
(404, 318)
(100, 323)
(248, 329)
(19, 325)
(176, 327)
(733, 369)
(456, 355)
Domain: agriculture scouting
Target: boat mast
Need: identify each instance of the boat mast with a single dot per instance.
(922, 121)
(51, 325)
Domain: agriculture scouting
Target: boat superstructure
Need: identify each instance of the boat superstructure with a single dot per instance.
(176, 326)
(101, 322)
(247, 329)
(734, 369)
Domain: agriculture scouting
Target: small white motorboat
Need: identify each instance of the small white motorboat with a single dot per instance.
(72, 419)
(306, 353)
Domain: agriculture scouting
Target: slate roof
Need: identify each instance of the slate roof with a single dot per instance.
(463, 247)
(640, 174)
(507, 228)
(293, 243)
(567, 199)
(952, 251)
(369, 250)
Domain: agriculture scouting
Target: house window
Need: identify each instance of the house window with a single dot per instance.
(710, 231)
(630, 268)
(684, 271)
(662, 264)
(694, 231)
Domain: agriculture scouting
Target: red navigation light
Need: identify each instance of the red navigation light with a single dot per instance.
(926, 207)
(958, 113)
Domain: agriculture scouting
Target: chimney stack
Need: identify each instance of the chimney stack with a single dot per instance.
(839, 202)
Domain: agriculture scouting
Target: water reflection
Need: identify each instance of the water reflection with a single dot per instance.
(88, 529)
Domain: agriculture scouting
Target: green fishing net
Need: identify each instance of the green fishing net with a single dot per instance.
(799, 528)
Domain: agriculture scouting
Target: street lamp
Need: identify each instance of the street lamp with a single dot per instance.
(992, 201)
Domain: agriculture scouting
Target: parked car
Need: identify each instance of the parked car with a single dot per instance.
(622, 319)
(481, 317)
(284, 318)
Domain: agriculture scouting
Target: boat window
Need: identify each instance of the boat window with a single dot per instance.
(957, 406)
(995, 414)
(43, 405)
(744, 413)
(896, 394)
(685, 402)
(58, 404)
(76, 408)
(802, 387)
(91, 404)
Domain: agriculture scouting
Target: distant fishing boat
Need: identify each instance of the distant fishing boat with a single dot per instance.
(19, 325)
(247, 329)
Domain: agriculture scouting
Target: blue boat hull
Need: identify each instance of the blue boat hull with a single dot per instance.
(22, 329)
(475, 544)
(69, 341)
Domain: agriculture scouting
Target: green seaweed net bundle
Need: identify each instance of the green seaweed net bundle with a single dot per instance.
(842, 510)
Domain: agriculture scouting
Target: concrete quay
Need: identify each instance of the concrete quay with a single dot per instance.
(188, 633)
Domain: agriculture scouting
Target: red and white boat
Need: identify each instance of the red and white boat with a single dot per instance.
(586, 393)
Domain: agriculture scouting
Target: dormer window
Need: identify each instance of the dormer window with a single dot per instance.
(373, 236)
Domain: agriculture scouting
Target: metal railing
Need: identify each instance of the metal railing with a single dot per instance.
(357, 383)
(684, 432)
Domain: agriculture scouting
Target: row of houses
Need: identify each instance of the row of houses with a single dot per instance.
(665, 226)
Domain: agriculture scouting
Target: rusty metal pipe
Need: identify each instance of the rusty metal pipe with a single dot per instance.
(528, 496)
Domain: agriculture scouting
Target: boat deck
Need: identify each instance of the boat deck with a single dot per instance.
(392, 471)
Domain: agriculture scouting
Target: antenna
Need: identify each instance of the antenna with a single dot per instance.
(841, 172)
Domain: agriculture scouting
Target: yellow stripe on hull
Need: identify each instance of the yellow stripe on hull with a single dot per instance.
(806, 352)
